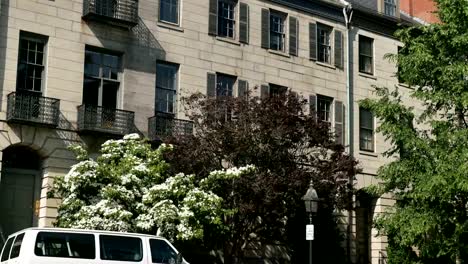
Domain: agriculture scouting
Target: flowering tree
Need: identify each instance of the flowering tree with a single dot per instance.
(128, 188)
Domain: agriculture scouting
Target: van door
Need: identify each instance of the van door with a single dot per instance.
(124, 249)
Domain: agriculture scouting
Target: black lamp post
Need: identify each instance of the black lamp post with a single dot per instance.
(311, 204)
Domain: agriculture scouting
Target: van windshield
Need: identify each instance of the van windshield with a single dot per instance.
(65, 245)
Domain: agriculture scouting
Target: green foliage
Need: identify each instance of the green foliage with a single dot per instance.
(428, 174)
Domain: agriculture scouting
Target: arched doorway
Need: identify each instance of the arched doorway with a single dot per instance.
(20, 186)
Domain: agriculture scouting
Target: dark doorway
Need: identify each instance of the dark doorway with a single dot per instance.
(20, 186)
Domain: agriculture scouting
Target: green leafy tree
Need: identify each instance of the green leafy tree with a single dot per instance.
(428, 175)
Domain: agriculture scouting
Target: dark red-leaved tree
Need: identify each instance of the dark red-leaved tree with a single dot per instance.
(289, 147)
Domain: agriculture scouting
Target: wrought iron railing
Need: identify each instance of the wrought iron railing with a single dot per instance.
(105, 120)
(29, 107)
(165, 125)
(124, 12)
(382, 257)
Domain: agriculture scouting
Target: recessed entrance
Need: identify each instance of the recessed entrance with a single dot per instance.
(20, 186)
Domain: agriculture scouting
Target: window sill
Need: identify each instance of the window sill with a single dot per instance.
(170, 26)
(279, 53)
(368, 153)
(367, 75)
(228, 40)
(323, 64)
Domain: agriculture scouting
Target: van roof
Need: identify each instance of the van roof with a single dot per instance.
(83, 231)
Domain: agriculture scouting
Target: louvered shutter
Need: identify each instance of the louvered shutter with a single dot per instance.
(265, 28)
(211, 85)
(293, 36)
(242, 88)
(338, 49)
(244, 23)
(313, 104)
(213, 18)
(339, 122)
(313, 41)
(264, 91)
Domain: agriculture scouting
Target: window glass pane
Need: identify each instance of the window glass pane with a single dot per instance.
(225, 84)
(323, 108)
(65, 245)
(162, 252)
(6, 249)
(121, 248)
(366, 119)
(15, 250)
(91, 91)
(168, 11)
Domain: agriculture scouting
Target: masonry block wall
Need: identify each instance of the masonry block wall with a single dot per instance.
(196, 52)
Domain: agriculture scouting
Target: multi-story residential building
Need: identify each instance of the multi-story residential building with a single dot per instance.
(82, 71)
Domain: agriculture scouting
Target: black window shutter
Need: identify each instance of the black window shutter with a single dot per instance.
(339, 122)
(213, 18)
(293, 36)
(265, 28)
(264, 91)
(313, 104)
(244, 23)
(242, 88)
(211, 85)
(313, 41)
(338, 49)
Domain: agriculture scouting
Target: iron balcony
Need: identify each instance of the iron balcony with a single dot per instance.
(164, 125)
(105, 120)
(122, 13)
(32, 108)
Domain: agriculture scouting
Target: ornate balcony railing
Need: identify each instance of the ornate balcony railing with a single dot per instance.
(27, 107)
(119, 12)
(109, 121)
(165, 125)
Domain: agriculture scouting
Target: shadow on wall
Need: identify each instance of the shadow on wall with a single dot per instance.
(140, 46)
(4, 11)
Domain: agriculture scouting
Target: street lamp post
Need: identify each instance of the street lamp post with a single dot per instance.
(311, 204)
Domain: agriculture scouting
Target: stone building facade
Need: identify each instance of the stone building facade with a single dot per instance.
(82, 71)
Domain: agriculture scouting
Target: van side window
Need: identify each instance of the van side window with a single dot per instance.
(15, 250)
(162, 252)
(121, 248)
(65, 245)
(6, 249)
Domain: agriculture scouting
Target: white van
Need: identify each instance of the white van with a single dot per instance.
(57, 246)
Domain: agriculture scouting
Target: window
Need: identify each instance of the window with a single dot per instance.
(324, 43)
(278, 90)
(6, 249)
(169, 11)
(366, 130)
(65, 245)
(390, 7)
(277, 35)
(226, 19)
(366, 55)
(102, 79)
(166, 87)
(15, 250)
(162, 252)
(121, 248)
(31, 63)
(324, 108)
(224, 85)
